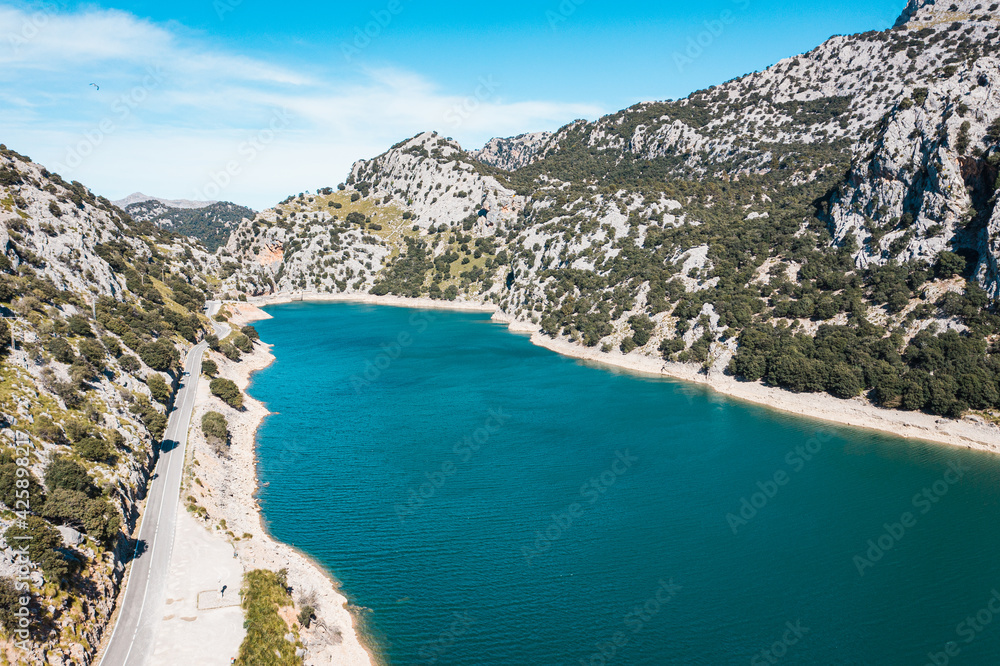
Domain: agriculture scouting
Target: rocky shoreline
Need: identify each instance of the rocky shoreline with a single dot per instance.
(971, 432)
(226, 485)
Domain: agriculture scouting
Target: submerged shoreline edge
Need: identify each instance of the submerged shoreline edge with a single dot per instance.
(853, 413)
(967, 433)
(359, 648)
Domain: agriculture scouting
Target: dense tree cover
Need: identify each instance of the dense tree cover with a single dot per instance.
(406, 276)
(227, 391)
(943, 374)
(210, 224)
(209, 368)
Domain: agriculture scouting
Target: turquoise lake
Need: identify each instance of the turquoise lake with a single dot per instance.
(488, 502)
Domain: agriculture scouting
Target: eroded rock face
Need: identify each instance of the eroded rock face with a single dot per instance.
(513, 153)
(437, 181)
(924, 181)
(926, 11)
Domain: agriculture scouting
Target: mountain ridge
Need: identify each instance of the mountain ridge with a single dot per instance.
(847, 190)
(139, 197)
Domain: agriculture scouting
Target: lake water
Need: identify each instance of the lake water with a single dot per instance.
(490, 502)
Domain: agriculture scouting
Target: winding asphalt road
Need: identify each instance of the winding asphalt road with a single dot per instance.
(132, 638)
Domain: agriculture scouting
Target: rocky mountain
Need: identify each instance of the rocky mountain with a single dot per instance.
(211, 223)
(513, 153)
(97, 309)
(828, 224)
(139, 197)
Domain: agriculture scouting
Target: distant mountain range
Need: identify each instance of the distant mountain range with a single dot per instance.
(211, 222)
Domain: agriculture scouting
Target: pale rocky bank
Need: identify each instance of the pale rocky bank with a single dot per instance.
(226, 488)
(971, 432)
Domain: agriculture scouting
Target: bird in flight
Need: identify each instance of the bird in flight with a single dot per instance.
(96, 86)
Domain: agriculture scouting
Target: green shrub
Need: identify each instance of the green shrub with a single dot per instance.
(993, 131)
(13, 484)
(112, 346)
(215, 427)
(95, 449)
(61, 350)
(154, 421)
(10, 603)
(264, 592)
(101, 521)
(209, 368)
(78, 325)
(158, 388)
(94, 352)
(129, 363)
(65, 507)
(949, 264)
(227, 391)
(643, 327)
(159, 355)
(45, 547)
(306, 615)
(242, 343)
(66, 473)
(76, 429)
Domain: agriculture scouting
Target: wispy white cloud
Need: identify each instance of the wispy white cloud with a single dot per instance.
(175, 114)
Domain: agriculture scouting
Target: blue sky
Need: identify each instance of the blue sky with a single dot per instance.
(250, 101)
